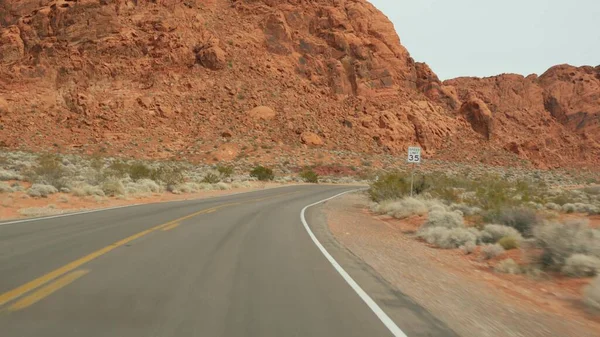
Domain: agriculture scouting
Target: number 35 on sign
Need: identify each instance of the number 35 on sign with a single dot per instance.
(414, 154)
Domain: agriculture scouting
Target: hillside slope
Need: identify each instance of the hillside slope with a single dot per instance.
(180, 78)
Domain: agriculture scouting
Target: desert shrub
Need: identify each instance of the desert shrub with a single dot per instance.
(509, 242)
(186, 188)
(390, 186)
(240, 184)
(211, 178)
(469, 247)
(41, 190)
(225, 171)
(593, 190)
(508, 266)
(552, 206)
(63, 198)
(521, 219)
(117, 169)
(169, 175)
(113, 187)
(5, 188)
(262, 173)
(447, 238)
(466, 209)
(83, 190)
(493, 233)
(9, 175)
(40, 211)
(402, 208)
(48, 171)
(559, 241)
(309, 176)
(491, 251)
(222, 186)
(591, 294)
(579, 265)
(142, 186)
(138, 171)
(579, 208)
(440, 218)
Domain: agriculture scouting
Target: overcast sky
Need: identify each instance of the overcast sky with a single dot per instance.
(485, 37)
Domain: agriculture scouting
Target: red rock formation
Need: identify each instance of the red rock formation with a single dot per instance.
(98, 74)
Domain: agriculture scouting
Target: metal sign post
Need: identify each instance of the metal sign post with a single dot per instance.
(414, 157)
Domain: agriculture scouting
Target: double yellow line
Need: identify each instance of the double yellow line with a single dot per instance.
(72, 275)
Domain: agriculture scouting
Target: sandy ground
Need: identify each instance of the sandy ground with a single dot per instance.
(461, 290)
(11, 203)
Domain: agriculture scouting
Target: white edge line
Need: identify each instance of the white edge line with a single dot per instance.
(383, 317)
(132, 205)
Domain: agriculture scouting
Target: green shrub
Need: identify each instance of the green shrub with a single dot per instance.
(225, 171)
(49, 170)
(262, 173)
(390, 186)
(509, 242)
(211, 178)
(309, 176)
(139, 171)
(169, 175)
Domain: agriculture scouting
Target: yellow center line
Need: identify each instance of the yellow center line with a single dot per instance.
(169, 227)
(46, 291)
(19, 291)
(40, 281)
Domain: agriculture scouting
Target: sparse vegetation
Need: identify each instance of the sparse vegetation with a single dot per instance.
(262, 173)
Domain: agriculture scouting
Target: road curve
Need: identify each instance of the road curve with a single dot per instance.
(240, 265)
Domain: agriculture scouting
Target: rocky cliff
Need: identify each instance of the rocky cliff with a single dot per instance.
(176, 78)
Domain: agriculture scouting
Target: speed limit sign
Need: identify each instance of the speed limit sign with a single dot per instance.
(414, 154)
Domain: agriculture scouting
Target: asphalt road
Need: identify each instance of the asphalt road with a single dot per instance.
(242, 265)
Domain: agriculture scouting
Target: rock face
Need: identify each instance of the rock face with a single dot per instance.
(479, 116)
(97, 74)
(550, 119)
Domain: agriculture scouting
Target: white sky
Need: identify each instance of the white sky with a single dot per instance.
(485, 37)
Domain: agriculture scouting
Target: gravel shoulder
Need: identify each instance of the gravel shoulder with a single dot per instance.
(470, 300)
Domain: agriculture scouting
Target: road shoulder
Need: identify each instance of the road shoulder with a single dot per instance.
(411, 317)
(468, 306)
